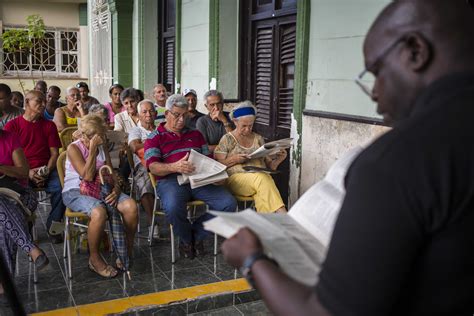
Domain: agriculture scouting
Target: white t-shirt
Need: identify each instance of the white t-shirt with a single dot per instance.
(135, 133)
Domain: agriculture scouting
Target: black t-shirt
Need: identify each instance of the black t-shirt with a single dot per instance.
(403, 243)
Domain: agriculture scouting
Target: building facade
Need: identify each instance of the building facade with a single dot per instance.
(63, 57)
(295, 59)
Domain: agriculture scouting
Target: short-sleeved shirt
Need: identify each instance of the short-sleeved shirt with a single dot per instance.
(212, 130)
(123, 122)
(36, 138)
(10, 116)
(230, 146)
(160, 114)
(403, 242)
(191, 121)
(140, 133)
(9, 142)
(112, 114)
(167, 147)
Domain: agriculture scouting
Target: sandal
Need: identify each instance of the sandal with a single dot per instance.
(109, 272)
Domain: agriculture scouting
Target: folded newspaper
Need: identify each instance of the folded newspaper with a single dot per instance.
(207, 171)
(271, 148)
(297, 241)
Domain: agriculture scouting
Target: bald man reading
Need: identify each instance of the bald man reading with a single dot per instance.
(403, 243)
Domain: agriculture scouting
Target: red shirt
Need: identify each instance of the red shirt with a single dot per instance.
(36, 138)
(167, 147)
(9, 142)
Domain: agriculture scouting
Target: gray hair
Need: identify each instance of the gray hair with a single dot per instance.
(68, 90)
(176, 100)
(130, 93)
(99, 109)
(139, 106)
(244, 104)
(213, 93)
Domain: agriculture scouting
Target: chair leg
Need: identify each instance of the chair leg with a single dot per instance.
(215, 244)
(150, 235)
(173, 259)
(66, 237)
(35, 275)
(68, 247)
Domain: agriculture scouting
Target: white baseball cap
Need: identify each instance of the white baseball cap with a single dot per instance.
(188, 91)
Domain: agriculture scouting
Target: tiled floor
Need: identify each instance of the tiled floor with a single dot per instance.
(152, 271)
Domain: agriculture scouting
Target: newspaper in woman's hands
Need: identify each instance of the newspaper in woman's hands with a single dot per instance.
(271, 148)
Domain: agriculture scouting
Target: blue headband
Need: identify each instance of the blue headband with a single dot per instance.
(243, 112)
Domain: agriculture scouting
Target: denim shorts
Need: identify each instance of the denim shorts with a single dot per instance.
(83, 203)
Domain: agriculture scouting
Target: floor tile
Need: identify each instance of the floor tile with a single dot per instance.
(210, 303)
(227, 311)
(104, 290)
(191, 277)
(46, 281)
(46, 300)
(145, 283)
(253, 308)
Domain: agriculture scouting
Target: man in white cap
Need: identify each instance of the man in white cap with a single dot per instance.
(193, 114)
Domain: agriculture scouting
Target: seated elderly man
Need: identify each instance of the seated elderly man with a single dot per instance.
(217, 123)
(136, 140)
(40, 141)
(166, 153)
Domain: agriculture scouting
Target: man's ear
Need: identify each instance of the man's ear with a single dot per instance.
(420, 51)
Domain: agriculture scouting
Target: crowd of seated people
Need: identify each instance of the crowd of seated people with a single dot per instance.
(159, 134)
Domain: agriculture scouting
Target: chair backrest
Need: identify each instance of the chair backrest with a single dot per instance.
(130, 157)
(152, 180)
(60, 165)
(66, 136)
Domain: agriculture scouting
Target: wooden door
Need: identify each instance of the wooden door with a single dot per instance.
(269, 65)
(166, 31)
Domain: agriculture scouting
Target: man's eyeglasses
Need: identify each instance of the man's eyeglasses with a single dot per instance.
(366, 77)
(178, 115)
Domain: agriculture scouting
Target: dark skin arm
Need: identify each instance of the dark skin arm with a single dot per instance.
(282, 295)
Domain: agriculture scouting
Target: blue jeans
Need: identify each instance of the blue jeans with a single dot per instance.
(174, 198)
(53, 187)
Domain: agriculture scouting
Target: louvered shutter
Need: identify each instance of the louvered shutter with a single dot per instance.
(287, 74)
(169, 62)
(263, 73)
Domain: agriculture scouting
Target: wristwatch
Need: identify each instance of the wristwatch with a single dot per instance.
(246, 268)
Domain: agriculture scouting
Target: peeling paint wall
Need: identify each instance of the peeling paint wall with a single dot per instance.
(325, 140)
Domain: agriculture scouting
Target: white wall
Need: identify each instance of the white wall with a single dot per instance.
(338, 28)
(195, 46)
(54, 14)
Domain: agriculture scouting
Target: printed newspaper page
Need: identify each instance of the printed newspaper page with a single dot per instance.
(271, 148)
(304, 233)
(303, 253)
(207, 171)
(317, 209)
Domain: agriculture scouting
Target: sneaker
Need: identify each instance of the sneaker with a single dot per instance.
(199, 248)
(156, 232)
(186, 250)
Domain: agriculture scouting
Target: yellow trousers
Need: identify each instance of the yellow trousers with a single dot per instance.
(260, 186)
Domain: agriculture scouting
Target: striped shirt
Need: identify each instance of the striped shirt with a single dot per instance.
(167, 147)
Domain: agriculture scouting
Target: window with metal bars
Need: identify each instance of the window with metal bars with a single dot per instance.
(57, 54)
